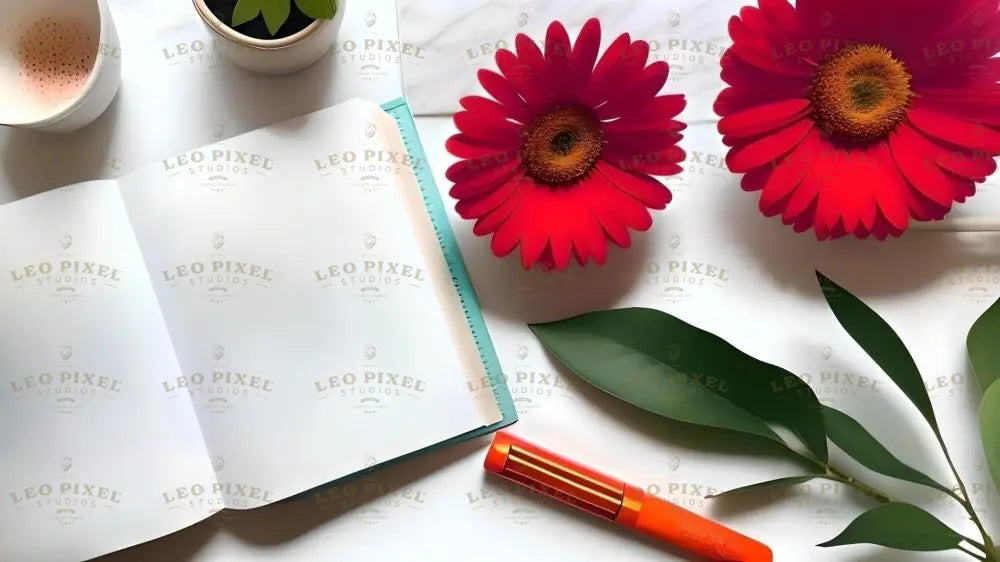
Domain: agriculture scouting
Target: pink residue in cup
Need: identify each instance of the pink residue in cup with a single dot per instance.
(56, 57)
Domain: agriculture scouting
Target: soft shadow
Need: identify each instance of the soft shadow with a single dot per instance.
(34, 161)
(182, 545)
(285, 521)
(508, 291)
(897, 265)
(589, 524)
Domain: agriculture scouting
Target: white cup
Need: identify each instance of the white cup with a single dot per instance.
(27, 100)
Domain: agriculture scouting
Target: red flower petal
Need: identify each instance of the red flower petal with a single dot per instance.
(755, 179)
(650, 192)
(789, 173)
(764, 118)
(501, 90)
(585, 50)
(741, 33)
(633, 212)
(769, 148)
(661, 162)
(472, 170)
(735, 99)
(590, 237)
(557, 55)
(476, 207)
(657, 113)
(485, 107)
(956, 131)
(892, 193)
(467, 147)
(640, 142)
(653, 77)
(476, 179)
(488, 128)
(741, 74)
(489, 223)
(622, 73)
(916, 162)
(801, 199)
(779, 13)
(526, 75)
(973, 108)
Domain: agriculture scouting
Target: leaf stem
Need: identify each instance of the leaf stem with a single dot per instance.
(865, 489)
(966, 502)
(972, 554)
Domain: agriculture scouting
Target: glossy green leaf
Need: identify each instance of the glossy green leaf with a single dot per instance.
(276, 13)
(857, 442)
(776, 483)
(658, 362)
(898, 525)
(983, 344)
(989, 429)
(245, 11)
(318, 9)
(878, 339)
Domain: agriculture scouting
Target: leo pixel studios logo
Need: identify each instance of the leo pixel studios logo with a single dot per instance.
(371, 168)
(66, 388)
(219, 277)
(531, 389)
(220, 388)
(218, 169)
(64, 275)
(370, 277)
(65, 498)
(677, 277)
(370, 388)
(376, 53)
(371, 499)
(217, 494)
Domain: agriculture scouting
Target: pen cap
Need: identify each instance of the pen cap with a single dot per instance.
(555, 475)
(661, 519)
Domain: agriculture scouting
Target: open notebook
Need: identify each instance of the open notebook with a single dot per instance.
(229, 327)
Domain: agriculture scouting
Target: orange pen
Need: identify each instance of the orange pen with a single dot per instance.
(617, 501)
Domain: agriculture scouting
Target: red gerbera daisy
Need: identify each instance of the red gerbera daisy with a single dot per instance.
(854, 116)
(561, 160)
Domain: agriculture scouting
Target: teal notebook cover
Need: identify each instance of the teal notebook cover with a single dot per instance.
(400, 111)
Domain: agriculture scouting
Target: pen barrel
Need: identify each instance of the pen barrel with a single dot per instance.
(688, 530)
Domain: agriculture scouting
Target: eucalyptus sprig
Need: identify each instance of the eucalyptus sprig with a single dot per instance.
(276, 12)
(664, 365)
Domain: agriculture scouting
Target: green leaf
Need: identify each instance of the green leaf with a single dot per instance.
(898, 525)
(276, 13)
(877, 338)
(245, 11)
(318, 9)
(787, 481)
(983, 344)
(857, 442)
(662, 364)
(989, 429)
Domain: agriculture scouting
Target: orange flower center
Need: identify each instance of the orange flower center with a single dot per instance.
(861, 92)
(563, 145)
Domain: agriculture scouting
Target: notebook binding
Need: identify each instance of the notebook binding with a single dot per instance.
(400, 112)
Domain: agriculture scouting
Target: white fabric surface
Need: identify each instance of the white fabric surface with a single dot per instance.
(442, 506)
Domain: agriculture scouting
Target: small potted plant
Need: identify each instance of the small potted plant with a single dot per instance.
(273, 36)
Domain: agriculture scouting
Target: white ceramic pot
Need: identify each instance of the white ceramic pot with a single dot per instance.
(274, 56)
(21, 104)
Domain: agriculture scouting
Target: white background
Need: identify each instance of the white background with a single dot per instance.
(930, 286)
